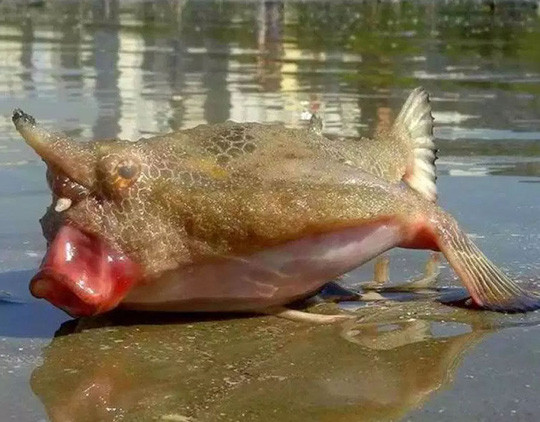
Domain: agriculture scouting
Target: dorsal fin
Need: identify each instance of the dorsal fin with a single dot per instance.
(415, 124)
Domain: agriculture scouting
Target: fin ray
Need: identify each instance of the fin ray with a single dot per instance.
(415, 123)
(489, 287)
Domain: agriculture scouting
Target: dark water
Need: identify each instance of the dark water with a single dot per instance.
(131, 69)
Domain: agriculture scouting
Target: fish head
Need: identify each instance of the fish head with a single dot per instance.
(104, 232)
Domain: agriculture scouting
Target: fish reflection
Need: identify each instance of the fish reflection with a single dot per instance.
(135, 367)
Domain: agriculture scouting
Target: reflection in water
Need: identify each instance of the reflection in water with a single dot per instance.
(107, 69)
(105, 55)
(253, 369)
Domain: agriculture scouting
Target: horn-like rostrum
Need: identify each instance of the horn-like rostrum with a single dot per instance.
(59, 151)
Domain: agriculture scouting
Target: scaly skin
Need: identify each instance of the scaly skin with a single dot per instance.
(219, 189)
(230, 190)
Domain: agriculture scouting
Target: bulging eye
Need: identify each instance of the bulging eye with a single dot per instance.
(118, 173)
(126, 173)
(128, 170)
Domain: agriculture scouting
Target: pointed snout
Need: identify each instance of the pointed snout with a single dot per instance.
(60, 152)
(20, 118)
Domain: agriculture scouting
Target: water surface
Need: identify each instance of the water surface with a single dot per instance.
(133, 69)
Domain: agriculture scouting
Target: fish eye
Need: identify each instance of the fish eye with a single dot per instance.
(125, 174)
(118, 172)
(127, 170)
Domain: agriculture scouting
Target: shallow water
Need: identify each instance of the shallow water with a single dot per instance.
(101, 69)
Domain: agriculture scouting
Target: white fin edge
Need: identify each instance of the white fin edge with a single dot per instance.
(416, 123)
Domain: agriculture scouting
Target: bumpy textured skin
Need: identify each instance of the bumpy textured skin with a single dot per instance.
(224, 189)
(232, 189)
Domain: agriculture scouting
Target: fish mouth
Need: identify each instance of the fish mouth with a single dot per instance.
(83, 275)
(66, 191)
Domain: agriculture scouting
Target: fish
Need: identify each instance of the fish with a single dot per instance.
(243, 217)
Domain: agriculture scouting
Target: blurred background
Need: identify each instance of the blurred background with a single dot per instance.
(134, 68)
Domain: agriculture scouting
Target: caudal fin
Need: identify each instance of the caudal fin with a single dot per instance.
(489, 287)
(415, 124)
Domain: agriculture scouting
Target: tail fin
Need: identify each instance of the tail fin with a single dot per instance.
(415, 123)
(489, 287)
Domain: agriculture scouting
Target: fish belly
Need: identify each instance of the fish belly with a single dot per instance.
(271, 277)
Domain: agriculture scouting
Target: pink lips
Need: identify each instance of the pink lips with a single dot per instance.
(83, 275)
